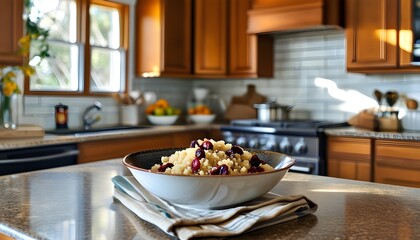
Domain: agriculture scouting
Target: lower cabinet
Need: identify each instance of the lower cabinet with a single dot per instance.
(397, 162)
(384, 161)
(117, 148)
(349, 158)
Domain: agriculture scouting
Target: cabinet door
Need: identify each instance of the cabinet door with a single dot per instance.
(397, 162)
(349, 158)
(177, 37)
(12, 29)
(242, 46)
(210, 37)
(163, 37)
(371, 28)
(406, 33)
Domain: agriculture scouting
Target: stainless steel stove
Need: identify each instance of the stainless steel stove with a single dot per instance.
(303, 139)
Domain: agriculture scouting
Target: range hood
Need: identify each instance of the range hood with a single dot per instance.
(294, 15)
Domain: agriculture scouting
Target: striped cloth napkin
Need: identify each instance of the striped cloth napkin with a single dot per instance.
(186, 223)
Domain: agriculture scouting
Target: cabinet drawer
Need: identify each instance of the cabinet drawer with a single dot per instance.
(349, 158)
(349, 148)
(400, 154)
(397, 162)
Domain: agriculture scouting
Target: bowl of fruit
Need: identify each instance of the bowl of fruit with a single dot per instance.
(201, 114)
(161, 113)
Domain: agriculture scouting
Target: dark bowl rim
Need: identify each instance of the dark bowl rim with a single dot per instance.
(129, 166)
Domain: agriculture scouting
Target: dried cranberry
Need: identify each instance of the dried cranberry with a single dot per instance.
(195, 165)
(252, 169)
(255, 161)
(237, 149)
(163, 167)
(200, 153)
(194, 143)
(260, 169)
(224, 169)
(214, 170)
(207, 145)
(230, 153)
(220, 170)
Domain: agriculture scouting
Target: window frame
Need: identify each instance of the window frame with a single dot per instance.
(83, 35)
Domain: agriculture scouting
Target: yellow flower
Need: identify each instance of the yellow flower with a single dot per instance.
(28, 70)
(9, 88)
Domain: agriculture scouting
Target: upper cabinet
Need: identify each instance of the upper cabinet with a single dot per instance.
(199, 39)
(210, 51)
(372, 34)
(163, 38)
(12, 28)
(379, 40)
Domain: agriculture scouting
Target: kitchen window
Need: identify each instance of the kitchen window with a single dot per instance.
(88, 43)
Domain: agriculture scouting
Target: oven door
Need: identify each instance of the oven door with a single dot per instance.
(306, 165)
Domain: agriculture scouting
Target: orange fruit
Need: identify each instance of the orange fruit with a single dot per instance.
(162, 103)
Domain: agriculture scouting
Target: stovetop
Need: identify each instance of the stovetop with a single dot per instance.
(291, 127)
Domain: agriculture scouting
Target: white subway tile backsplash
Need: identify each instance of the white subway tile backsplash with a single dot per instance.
(299, 58)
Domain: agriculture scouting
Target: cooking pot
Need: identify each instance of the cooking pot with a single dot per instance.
(272, 111)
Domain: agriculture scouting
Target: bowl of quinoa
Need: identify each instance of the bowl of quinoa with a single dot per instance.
(208, 173)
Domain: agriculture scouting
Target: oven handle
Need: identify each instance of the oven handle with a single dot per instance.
(300, 169)
(43, 158)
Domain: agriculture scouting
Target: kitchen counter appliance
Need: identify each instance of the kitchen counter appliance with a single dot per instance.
(305, 140)
(37, 158)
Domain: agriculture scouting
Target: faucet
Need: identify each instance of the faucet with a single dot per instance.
(89, 120)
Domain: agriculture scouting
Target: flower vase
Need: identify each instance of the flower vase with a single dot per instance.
(8, 111)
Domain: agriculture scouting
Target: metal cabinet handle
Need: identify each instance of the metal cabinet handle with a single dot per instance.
(43, 158)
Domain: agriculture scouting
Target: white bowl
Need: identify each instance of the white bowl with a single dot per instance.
(202, 118)
(411, 121)
(162, 120)
(208, 191)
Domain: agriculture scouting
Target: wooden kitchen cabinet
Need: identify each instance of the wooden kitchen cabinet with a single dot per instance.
(163, 38)
(199, 39)
(372, 34)
(223, 47)
(349, 158)
(12, 30)
(118, 148)
(379, 41)
(397, 162)
(210, 37)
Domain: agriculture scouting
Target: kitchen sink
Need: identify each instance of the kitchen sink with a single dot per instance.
(98, 130)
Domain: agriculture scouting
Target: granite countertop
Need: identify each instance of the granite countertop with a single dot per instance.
(51, 139)
(76, 202)
(359, 132)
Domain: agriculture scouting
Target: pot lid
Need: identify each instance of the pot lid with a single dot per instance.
(272, 104)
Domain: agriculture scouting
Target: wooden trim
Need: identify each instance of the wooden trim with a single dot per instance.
(405, 33)
(83, 35)
(9, 44)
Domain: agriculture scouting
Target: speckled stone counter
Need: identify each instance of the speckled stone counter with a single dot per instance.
(76, 203)
(50, 139)
(358, 132)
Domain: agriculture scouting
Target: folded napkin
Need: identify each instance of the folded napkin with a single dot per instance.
(186, 223)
